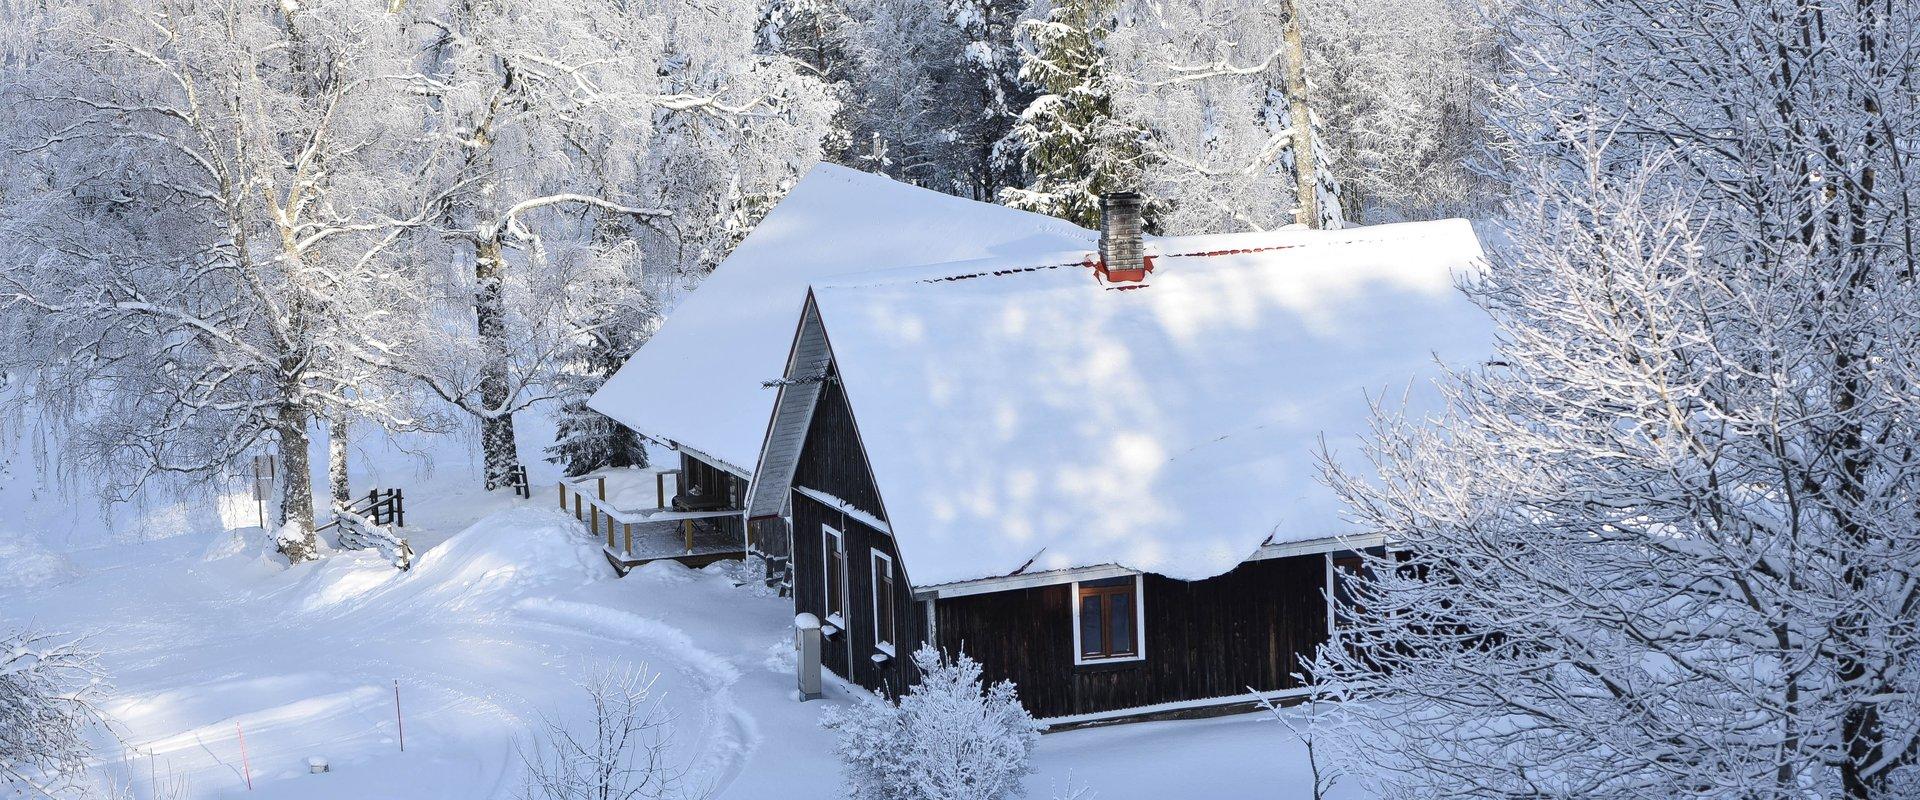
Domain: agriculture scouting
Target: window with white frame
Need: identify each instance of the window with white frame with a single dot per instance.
(1108, 618)
(883, 628)
(833, 547)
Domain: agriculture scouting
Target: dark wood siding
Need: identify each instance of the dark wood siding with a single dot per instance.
(850, 653)
(1254, 626)
(705, 486)
(831, 461)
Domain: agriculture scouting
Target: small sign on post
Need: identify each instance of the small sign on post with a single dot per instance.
(262, 484)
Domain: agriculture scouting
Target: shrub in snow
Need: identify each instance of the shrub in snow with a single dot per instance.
(620, 753)
(47, 696)
(946, 739)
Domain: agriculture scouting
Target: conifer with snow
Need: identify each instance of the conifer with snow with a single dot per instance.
(1075, 145)
(947, 738)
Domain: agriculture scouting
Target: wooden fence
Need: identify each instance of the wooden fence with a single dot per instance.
(378, 507)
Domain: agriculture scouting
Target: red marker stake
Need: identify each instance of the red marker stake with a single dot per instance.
(399, 722)
(245, 766)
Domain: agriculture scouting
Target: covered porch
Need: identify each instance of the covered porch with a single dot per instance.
(637, 517)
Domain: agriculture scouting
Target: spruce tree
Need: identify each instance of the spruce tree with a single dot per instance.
(586, 440)
(1075, 146)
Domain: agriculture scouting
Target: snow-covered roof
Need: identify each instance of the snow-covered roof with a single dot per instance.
(697, 382)
(1014, 410)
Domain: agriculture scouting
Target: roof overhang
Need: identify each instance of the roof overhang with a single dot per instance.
(1029, 580)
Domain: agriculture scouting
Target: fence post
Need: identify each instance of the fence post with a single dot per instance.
(687, 527)
(577, 515)
(399, 509)
(563, 496)
(626, 529)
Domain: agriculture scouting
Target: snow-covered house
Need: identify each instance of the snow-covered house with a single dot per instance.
(699, 384)
(1103, 489)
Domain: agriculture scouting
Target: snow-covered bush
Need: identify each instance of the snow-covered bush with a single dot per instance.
(47, 694)
(621, 753)
(948, 738)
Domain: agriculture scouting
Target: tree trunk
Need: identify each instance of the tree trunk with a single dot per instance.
(296, 538)
(1304, 174)
(337, 483)
(497, 445)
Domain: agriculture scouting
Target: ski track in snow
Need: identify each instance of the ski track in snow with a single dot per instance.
(205, 645)
(733, 733)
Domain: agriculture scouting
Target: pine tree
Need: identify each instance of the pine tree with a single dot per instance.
(1075, 146)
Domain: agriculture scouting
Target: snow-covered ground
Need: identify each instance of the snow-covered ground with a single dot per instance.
(509, 609)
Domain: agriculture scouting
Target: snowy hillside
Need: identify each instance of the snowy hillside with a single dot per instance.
(209, 638)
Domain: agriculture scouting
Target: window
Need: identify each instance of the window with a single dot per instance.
(833, 548)
(1107, 620)
(883, 602)
(1342, 570)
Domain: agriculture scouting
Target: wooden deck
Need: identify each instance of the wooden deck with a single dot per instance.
(631, 537)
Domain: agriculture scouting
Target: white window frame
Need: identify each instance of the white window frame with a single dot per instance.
(1139, 625)
(874, 592)
(833, 541)
(1333, 600)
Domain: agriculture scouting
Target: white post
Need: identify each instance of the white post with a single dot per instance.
(806, 641)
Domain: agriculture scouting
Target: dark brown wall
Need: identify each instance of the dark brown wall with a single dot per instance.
(831, 461)
(718, 487)
(854, 646)
(1204, 639)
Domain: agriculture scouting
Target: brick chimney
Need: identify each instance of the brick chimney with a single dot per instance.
(1122, 253)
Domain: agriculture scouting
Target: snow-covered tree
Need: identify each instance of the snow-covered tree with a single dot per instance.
(48, 693)
(1400, 87)
(989, 97)
(1666, 542)
(947, 738)
(1075, 144)
(1209, 82)
(201, 214)
(585, 439)
(558, 112)
(1191, 102)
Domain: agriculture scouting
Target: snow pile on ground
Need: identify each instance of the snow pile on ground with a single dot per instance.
(519, 550)
(25, 564)
(492, 564)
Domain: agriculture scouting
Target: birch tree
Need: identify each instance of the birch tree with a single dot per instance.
(1220, 88)
(201, 201)
(1666, 542)
(554, 109)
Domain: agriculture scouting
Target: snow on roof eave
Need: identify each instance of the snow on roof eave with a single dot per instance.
(1094, 572)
